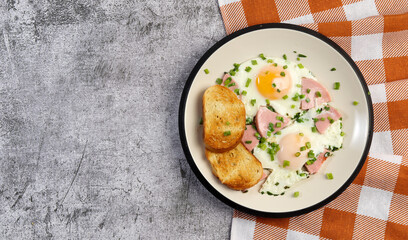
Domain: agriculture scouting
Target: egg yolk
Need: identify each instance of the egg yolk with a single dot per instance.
(273, 82)
(289, 146)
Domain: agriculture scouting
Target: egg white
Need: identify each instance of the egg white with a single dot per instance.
(281, 177)
(282, 106)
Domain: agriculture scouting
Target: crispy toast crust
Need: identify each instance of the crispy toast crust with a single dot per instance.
(238, 169)
(223, 113)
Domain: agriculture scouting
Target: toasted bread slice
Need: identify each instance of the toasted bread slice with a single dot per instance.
(237, 168)
(223, 119)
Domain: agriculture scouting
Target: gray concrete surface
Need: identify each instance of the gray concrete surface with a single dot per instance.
(89, 145)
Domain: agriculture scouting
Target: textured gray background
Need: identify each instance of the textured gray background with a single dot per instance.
(89, 144)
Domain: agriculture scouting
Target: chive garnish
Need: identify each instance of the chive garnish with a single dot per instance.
(232, 84)
(342, 134)
(201, 121)
(206, 71)
(355, 103)
(302, 148)
(248, 69)
(227, 133)
(282, 74)
(296, 194)
(310, 154)
(301, 134)
(286, 163)
(254, 62)
(292, 106)
(286, 66)
(269, 61)
(218, 81)
(307, 100)
(314, 129)
(301, 96)
(285, 97)
(274, 85)
(262, 56)
(248, 82)
(227, 81)
(300, 66)
(333, 69)
(278, 133)
(308, 145)
(244, 93)
(318, 94)
(275, 64)
(302, 55)
(329, 176)
(297, 154)
(232, 72)
(308, 90)
(253, 101)
(284, 57)
(278, 124)
(336, 86)
(267, 101)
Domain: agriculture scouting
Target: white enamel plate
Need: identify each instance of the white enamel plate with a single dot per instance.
(274, 40)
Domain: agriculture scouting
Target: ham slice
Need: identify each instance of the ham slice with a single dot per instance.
(314, 87)
(249, 135)
(314, 167)
(264, 116)
(232, 88)
(265, 174)
(323, 125)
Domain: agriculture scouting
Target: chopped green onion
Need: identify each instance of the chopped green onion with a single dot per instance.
(314, 129)
(218, 81)
(307, 100)
(201, 121)
(262, 56)
(301, 134)
(296, 194)
(248, 82)
(227, 81)
(263, 140)
(227, 123)
(267, 101)
(329, 176)
(282, 74)
(368, 93)
(308, 90)
(280, 118)
(302, 148)
(253, 101)
(231, 84)
(206, 71)
(236, 91)
(330, 119)
(236, 67)
(248, 142)
(322, 119)
(254, 62)
(257, 136)
(269, 61)
(301, 55)
(336, 86)
(248, 69)
(274, 85)
(298, 59)
(232, 72)
(227, 133)
(286, 66)
(300, 66)
(318, 94)
(342, 134)
(310, 154)
(297, 154)
(327, 108)
(268, 133)
(286, 163)
(301, 96)
(295, 98)
(271, 127)
(298, 85)
(278, 90)
(262, 146)
(244, 93)
(284, 57)
(355, 103)
(308, 145)
(278, 133)
(275, 64)
(277, 183)
(292, 106)
(278, 124)
(285, 97)
(309, 162)
(333, 69)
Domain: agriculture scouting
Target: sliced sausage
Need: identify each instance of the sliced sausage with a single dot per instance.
(231, 82)
(264, 116)
(314, 167)
(323, 125)
(313, 99)
(248, 139)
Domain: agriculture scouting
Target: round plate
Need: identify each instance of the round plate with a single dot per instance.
(274, 40)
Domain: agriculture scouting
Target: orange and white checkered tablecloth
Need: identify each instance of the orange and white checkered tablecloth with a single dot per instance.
(375, 34)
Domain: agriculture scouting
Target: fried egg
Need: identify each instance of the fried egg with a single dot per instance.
(298, 143)
(270, 80)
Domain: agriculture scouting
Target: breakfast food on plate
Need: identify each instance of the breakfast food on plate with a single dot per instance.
(223, 119)
(290, 126)
(237, 168)
(224, 126)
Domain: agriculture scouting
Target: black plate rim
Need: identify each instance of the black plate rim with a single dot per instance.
(183, 137)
